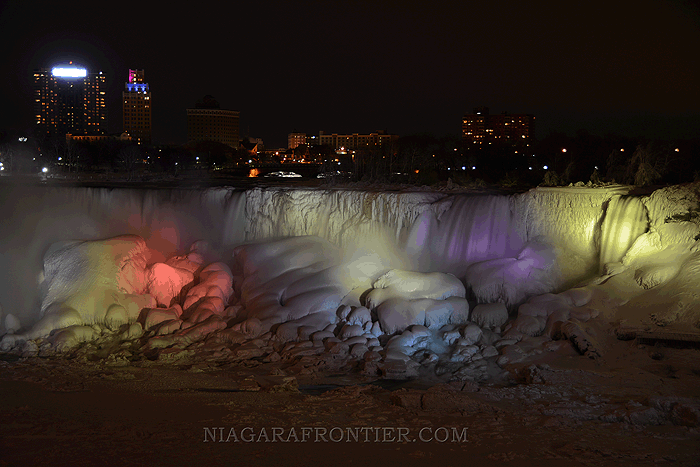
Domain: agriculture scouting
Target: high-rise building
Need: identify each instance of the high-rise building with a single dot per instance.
(209, 122)
(137, 108)
(480, 128)
(68, 99)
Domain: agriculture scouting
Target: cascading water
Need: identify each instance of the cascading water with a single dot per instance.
(34, 217)
(439, 232)
(477, 240)
(625, 220)
(305, 265)
(476, 228)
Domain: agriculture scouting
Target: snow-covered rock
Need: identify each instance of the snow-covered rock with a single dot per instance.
(396, 314)
(340, 244)
(166, 282)
(409, 285)
(89, 282)
(490, 315)
(360, 316)
(12, 323)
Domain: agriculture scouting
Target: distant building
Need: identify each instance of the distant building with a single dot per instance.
(480, 128)
(208, 122)
(356, 141)
(123, 137)
(137, 108)
(68, 99)
(295, 140)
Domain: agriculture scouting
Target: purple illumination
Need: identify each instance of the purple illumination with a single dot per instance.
(477, 228)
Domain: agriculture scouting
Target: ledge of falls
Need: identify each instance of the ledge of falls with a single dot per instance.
(392, 273)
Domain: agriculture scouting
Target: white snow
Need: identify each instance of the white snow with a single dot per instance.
(349, 270)
(489, 315)
(12, 323)
(410, 285)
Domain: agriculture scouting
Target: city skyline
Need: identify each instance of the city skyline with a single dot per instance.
(408, 68)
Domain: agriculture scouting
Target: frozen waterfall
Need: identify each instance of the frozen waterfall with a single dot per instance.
(496, 241)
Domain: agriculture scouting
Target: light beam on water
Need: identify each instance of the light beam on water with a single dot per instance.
(625, 220)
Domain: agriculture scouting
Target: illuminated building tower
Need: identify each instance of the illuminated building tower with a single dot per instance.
(208, 122)
(68, 99)
(480, 128)
(137, 108)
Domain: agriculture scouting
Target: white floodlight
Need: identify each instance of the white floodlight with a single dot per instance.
(73, 72)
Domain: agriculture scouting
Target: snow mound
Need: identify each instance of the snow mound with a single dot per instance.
(12, 323)
(490, 315)
(165, 282)
(409, 285)
(93, 286)
(396, 314)
(83, 281)
(511, 280)
(288, 284)
(546, 313)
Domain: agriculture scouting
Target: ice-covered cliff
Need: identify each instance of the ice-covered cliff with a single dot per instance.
(505, 248)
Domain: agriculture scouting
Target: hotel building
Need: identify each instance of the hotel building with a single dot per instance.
(356, 141)
(480, 128)
(208, 122)
(68, 99)
(136, 99)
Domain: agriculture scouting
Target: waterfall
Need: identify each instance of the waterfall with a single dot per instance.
(438, 231)
(170, 220)
(474, 229)
(625, 220)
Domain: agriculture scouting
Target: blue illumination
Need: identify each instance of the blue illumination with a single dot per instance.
(137, 87)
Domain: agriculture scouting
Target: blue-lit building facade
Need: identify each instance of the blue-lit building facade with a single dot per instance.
(136, 99)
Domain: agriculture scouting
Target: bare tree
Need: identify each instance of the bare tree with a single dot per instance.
(128, 158)
(648, 164)
(7, 156)
(64, 153)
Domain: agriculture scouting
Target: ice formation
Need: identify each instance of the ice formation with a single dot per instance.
(382, 279)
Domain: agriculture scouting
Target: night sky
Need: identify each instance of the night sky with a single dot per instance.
(628, 67)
